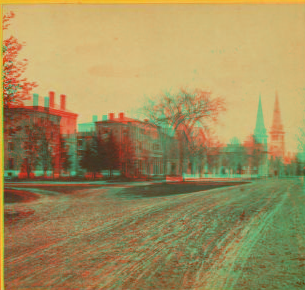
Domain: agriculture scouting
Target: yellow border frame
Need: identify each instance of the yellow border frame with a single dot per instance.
(20, 2)
(152, 2)
(2, 175)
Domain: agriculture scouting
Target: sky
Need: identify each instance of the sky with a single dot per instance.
(112, 57)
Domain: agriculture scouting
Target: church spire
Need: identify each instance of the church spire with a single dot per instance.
(277, 144)
(277, 122)
(260, 131)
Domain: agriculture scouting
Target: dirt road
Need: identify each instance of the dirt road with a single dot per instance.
(242, 237)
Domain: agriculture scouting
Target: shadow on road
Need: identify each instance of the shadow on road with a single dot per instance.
(168, 189)
(14, 196)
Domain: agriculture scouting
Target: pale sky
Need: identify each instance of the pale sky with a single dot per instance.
(109, 57)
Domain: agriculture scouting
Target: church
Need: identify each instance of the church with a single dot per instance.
(272, 162)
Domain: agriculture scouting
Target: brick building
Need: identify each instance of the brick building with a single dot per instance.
(139, 144)
(32, 136)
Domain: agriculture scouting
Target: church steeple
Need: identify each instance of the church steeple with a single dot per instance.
(277, 125)
(260, 132)
(277, 144)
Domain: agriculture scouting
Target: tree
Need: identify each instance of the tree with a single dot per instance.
(45, 153)
(49, 142)
(211, 150)
(113, 153)
(239, 168)
(183, 112)
(86, 157)
(30, 149)
(102, 154)
(255, 152)
(65, 158)
(301, 139)
(90, 159)
(16, 88)
(128, 156)
(236, 153)
(39, 139)
(298, 170)
(168, 145)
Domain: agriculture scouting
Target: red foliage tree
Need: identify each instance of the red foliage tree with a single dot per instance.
(16, 88)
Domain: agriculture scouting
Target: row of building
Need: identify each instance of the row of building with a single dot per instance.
(42, 116)
(156, 150)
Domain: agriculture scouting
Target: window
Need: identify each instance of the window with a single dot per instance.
(11, 132)
(10, 146)
(156, 146)
(11, 163)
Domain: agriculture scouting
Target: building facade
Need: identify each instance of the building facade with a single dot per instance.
(139, 144)
(32, 137)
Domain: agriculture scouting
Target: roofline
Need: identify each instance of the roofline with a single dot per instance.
(117, 120)
(50, 111)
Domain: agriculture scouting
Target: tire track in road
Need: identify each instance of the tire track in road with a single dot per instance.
(240, 248)
(202, 212)
(149, 220)
(233, 227)
(277, 263)
(173, 244)
(177, 237)
(108, 227)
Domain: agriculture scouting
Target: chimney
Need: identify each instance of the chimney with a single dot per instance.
(63, 102)
(121, 115)
(104, 118)
(52, 98)
(94, 118)
(111, 116)
(35, 100)
(46, 103)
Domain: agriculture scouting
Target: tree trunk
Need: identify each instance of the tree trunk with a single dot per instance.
(28, 170)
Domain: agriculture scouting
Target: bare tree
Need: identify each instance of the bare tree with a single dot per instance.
(184, 111)
(301, 136)
(255, 152)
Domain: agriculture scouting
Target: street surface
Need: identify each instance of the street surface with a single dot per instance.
(250, 236)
